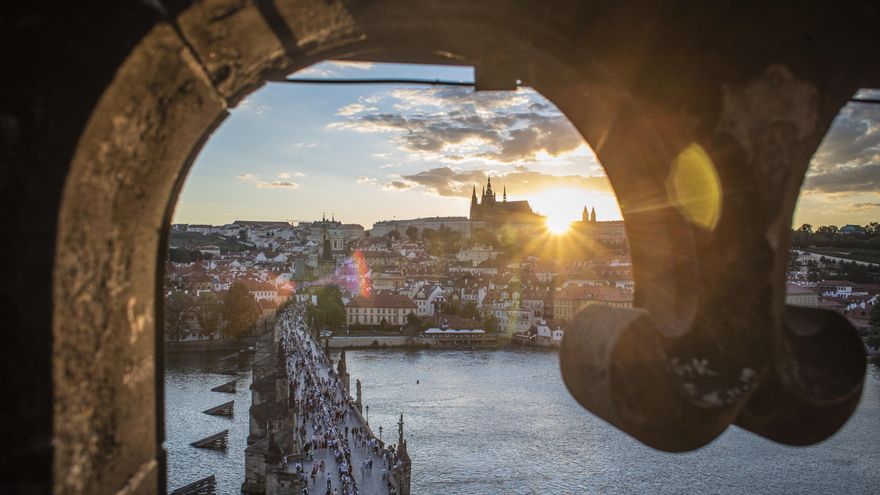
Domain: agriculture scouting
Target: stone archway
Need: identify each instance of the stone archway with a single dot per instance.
(661, 97)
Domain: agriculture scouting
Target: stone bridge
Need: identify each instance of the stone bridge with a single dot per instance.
(278, 459)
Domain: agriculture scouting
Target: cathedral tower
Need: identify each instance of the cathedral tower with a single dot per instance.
(474, 203)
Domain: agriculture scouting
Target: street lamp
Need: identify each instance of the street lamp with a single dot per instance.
(368, 414)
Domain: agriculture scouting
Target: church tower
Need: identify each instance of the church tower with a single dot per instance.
(585, 215)
(326, 251)
(488, 195)
(593, 215)
(505, 194)
(474, 204)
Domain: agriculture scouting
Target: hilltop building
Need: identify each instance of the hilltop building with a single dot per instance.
(612, 232)
(488, 209)
(455, 224)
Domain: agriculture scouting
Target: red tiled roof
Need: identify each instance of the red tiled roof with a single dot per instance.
(796, 289)
(382, 301)
(257, 285)
(841, 283)
(610, 294)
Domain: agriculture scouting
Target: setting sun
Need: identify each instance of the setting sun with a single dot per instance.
(557, 224)
(563, 205)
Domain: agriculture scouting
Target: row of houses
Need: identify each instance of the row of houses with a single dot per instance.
(852, 300)
(516, 309)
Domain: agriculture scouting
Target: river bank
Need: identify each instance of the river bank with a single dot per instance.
(228, 345)
(395, 342)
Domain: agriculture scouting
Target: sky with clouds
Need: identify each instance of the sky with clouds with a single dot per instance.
(365, 153)
(843, 183)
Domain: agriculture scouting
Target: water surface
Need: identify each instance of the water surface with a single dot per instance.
(493, 422)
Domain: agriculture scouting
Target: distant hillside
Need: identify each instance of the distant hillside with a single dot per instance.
(192, 240)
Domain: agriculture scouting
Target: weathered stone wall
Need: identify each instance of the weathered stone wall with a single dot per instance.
(255, 468)
(348, 342)
(105, 104)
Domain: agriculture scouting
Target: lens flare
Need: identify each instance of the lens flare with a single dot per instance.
(364, 284)
(695, 188)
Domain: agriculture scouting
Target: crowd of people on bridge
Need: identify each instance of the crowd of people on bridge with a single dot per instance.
(325, 406)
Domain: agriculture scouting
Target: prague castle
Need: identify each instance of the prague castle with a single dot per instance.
(612, 232)
(488, 209)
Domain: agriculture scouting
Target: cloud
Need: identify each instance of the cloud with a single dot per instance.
(848, 159)
(248, 105)
(277, 184)
(349, 64)
(366, 180)
(354, 109)
(859, 177)
(303, 145)
(288, 175)
(858, 207)
(458, 124)
(445, 181)
(332, 68)
(397, 185)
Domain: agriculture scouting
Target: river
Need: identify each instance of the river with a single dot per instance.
(493, 422)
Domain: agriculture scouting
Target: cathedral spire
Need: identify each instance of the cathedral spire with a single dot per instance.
(593, 215)
(474, 204)
(585, 215)
(505, 194)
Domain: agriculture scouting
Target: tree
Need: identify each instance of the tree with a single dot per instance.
(874, 317)
(329, 312)
(182, 255)
(178, 311)
(470, 310)
(330, 302)
(240, 311)
(855, 272)
(208, 311)
(452, 307)
(413, 320)
(413, 233)
(806, 229)
(490, 324)
(384, 326)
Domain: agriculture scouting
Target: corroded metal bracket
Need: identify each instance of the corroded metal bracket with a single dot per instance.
(708, 200)
(618, 366)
